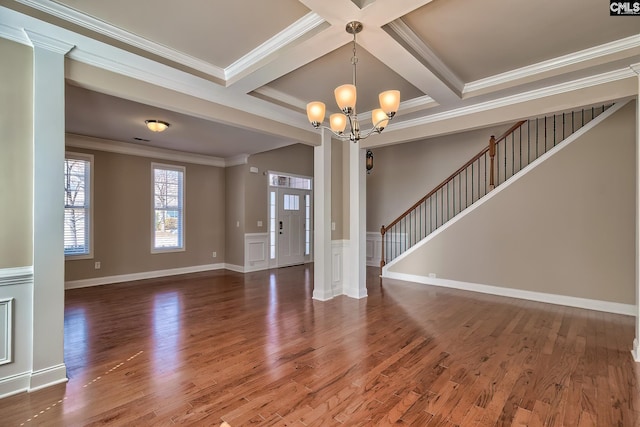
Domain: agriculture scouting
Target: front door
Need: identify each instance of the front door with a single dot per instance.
(291, 226)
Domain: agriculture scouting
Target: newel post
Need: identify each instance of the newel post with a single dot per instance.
(492, 155)
(382, 231)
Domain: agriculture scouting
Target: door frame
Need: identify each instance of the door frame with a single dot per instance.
(273, 244)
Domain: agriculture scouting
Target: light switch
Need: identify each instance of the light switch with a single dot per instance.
(333, 226)
(259, 223)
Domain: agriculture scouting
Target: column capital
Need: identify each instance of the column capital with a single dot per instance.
(49, 43)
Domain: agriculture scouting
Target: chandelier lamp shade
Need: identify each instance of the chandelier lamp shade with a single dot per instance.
(346, 96)
(157, 125)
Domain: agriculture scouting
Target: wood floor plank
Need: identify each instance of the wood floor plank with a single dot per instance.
(255, 349)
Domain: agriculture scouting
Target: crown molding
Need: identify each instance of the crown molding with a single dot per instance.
(561, 88)
(14, 34)
(635, 68)
(406, 34)
(589, 54)
(240, 159)
(119, 147)
(101, 27)
(48, 43)
(295, 31)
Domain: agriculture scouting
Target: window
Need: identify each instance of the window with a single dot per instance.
(272, 225)
(307, 224)
(77, 205)
(301, 183)
(168, 208)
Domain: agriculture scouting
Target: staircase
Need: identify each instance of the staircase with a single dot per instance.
(504, 157)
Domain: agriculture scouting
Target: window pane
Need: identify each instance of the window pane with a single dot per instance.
(168, 208)
(76, 202)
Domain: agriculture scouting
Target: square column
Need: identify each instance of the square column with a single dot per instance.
(322, 269)
(636, 342)
(48, 366)
(356, 284)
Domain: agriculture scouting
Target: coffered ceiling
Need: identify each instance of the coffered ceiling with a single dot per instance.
(234, 77)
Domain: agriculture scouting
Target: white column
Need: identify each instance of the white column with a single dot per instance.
(636, 341)
(322, 271)
(48, 204)
(356, 284)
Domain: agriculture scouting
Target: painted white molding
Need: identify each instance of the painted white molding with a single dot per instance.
(70, 15)
(47, 377)
(635, 351)
(49, 43)
(14, 384)
(589, 304)
(16, 276)
(107, 280)
(290, 34)
(256, 252)
(14, 34)
(233, 267)
(506, 101)
(111, 146)
(418, 45)
(339, 268)
(374, 249)
(240, 159)
(6, 323)
(592, 53)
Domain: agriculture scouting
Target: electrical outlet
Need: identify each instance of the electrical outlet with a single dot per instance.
(214, 254)
(259, 223)
(97, 265)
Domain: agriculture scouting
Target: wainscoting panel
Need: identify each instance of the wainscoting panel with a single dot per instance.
(374, 249)
(339, 251)
(6, 331)
(256, 251)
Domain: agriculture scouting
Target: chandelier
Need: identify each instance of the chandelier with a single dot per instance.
(346, 100)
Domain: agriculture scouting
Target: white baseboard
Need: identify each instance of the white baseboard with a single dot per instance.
(233, 267)
(107, 280)
(14, 384)
(589, 304)
(47, 377)
(635, 351)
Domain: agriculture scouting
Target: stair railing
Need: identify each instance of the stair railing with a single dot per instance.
(505, 156)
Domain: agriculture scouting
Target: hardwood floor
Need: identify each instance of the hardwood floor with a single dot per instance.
(255, 349)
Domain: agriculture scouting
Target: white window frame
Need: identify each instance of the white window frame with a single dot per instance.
(182, 196)
(89, 208)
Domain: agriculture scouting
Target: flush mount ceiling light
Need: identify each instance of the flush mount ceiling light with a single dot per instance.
(346, 100)
(157, 125)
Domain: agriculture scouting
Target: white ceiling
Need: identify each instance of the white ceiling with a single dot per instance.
(234, 77)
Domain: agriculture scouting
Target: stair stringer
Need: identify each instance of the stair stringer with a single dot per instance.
(395, 270)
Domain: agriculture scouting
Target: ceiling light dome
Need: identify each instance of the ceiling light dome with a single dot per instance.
(157, 125)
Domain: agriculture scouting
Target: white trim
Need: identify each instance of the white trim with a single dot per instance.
(233, 267)
(107, 280)
(240, 159)
(374, 249)
(111, 146)
(339, 268)
(506, 101)
(290, 34)
(47, 377)
(182, 188)
(48, 43)
(101, 27)
(90, 159)
(591, 53)
(16, 276)
(256, 252)
(635, 351)
(14, 34)
(589, 304)
(14, 384)
(7, 356)
(407, 35)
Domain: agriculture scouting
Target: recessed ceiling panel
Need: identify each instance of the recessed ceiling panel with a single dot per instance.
(478, 39)
(218, 32)
(317, 80)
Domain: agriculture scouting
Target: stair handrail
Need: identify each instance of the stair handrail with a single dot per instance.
(493, 141)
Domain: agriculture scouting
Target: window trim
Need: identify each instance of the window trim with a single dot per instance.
(183, 170)
(88, 158)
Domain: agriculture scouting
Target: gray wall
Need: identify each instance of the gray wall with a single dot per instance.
(404, 173)
(234, 210)
(122, 218)
(566, 227)
(16, 160)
